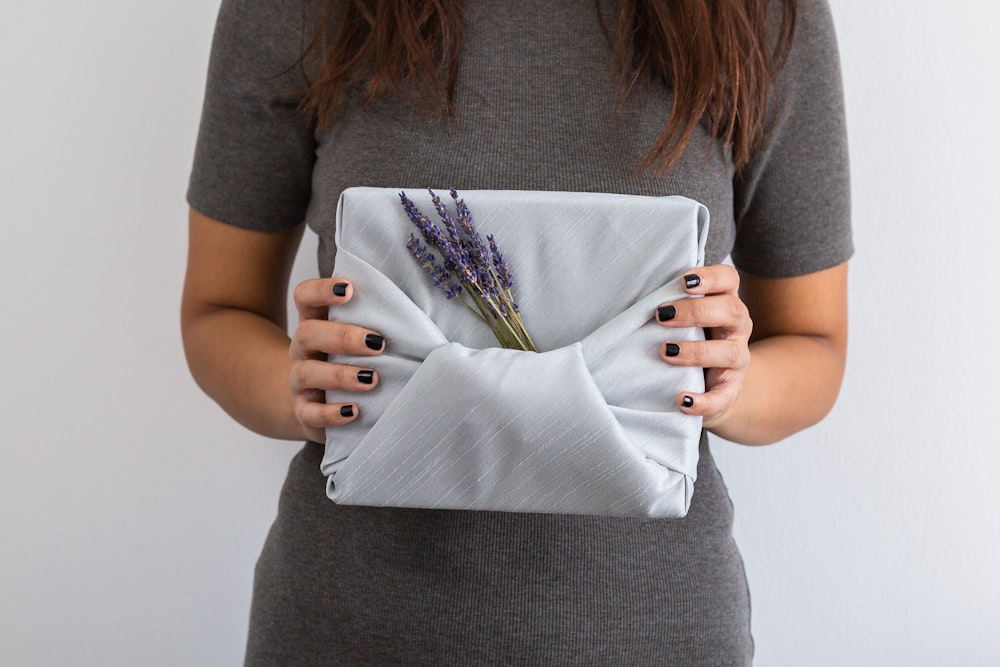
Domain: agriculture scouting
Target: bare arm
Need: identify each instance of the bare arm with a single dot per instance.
(797, 355)
(785, 376)
(234, 326)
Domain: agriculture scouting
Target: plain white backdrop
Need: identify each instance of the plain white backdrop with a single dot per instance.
(133, 509)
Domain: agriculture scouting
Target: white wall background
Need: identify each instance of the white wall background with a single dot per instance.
(133, 509)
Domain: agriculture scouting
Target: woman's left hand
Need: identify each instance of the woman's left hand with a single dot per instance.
(725, 355)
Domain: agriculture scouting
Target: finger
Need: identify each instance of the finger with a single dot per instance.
(723, 311)
(711, 404)
(721, 353)
(315, 338)
(314, 297)
(321, 415)
(717, 279)
(314, 374)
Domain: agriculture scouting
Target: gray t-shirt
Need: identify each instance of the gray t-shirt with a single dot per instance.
(537, 110)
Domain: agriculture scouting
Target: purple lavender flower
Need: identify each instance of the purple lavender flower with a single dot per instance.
(431, 233)
(445, 215)
(477, 249)
(479, 268)
(439, 275)
(499, 265)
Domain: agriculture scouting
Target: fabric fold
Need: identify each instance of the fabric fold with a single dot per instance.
(586, 426)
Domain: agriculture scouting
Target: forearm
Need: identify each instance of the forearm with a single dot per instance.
(791, 383)
(240, 359)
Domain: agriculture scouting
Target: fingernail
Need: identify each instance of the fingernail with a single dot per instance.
(366, 377)
(688, 402)
(347, 411)
(340, 289)
(692, 280)
(374, 341)
(666, 313)
(672, 349)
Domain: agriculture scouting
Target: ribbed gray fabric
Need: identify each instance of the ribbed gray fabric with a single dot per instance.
(352, 585)
(536, 100)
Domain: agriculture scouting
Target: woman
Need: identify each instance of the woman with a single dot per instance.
(498, 95)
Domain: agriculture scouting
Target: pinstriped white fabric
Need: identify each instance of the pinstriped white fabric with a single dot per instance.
(586, 426)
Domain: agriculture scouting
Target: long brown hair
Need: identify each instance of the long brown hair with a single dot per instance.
(720, 57)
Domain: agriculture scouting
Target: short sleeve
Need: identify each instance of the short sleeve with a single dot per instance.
(255, 150)
(792, 202)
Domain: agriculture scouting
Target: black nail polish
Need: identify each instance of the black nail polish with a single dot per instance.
(340, 289)
(666, 313)
(347, 411)
(672, 349)
(366, 377)
(692, 280)
(374, 341)
(688, 402)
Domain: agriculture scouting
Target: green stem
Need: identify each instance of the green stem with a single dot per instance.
(509, 331)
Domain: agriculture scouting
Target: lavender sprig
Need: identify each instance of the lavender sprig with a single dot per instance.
(477, 267)
(439, 275)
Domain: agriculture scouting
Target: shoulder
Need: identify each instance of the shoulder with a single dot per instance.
(266, 36)
(815, 41)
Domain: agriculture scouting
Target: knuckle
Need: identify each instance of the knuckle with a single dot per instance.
(294, 348)
(324, 337)
(343, 337)
(699, 353)
(309, 376)
(303, 413)
(305, 331)
(744, 361)
(697, 310)
(736, 309)
(297, 377)
(734, 355)
(300, 295)
(303, 340)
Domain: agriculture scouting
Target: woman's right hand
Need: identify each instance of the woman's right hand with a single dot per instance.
(315, 338)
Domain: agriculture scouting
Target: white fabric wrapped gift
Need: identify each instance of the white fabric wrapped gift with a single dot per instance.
(588, 425)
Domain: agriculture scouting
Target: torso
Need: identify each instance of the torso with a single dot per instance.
(536, 111)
